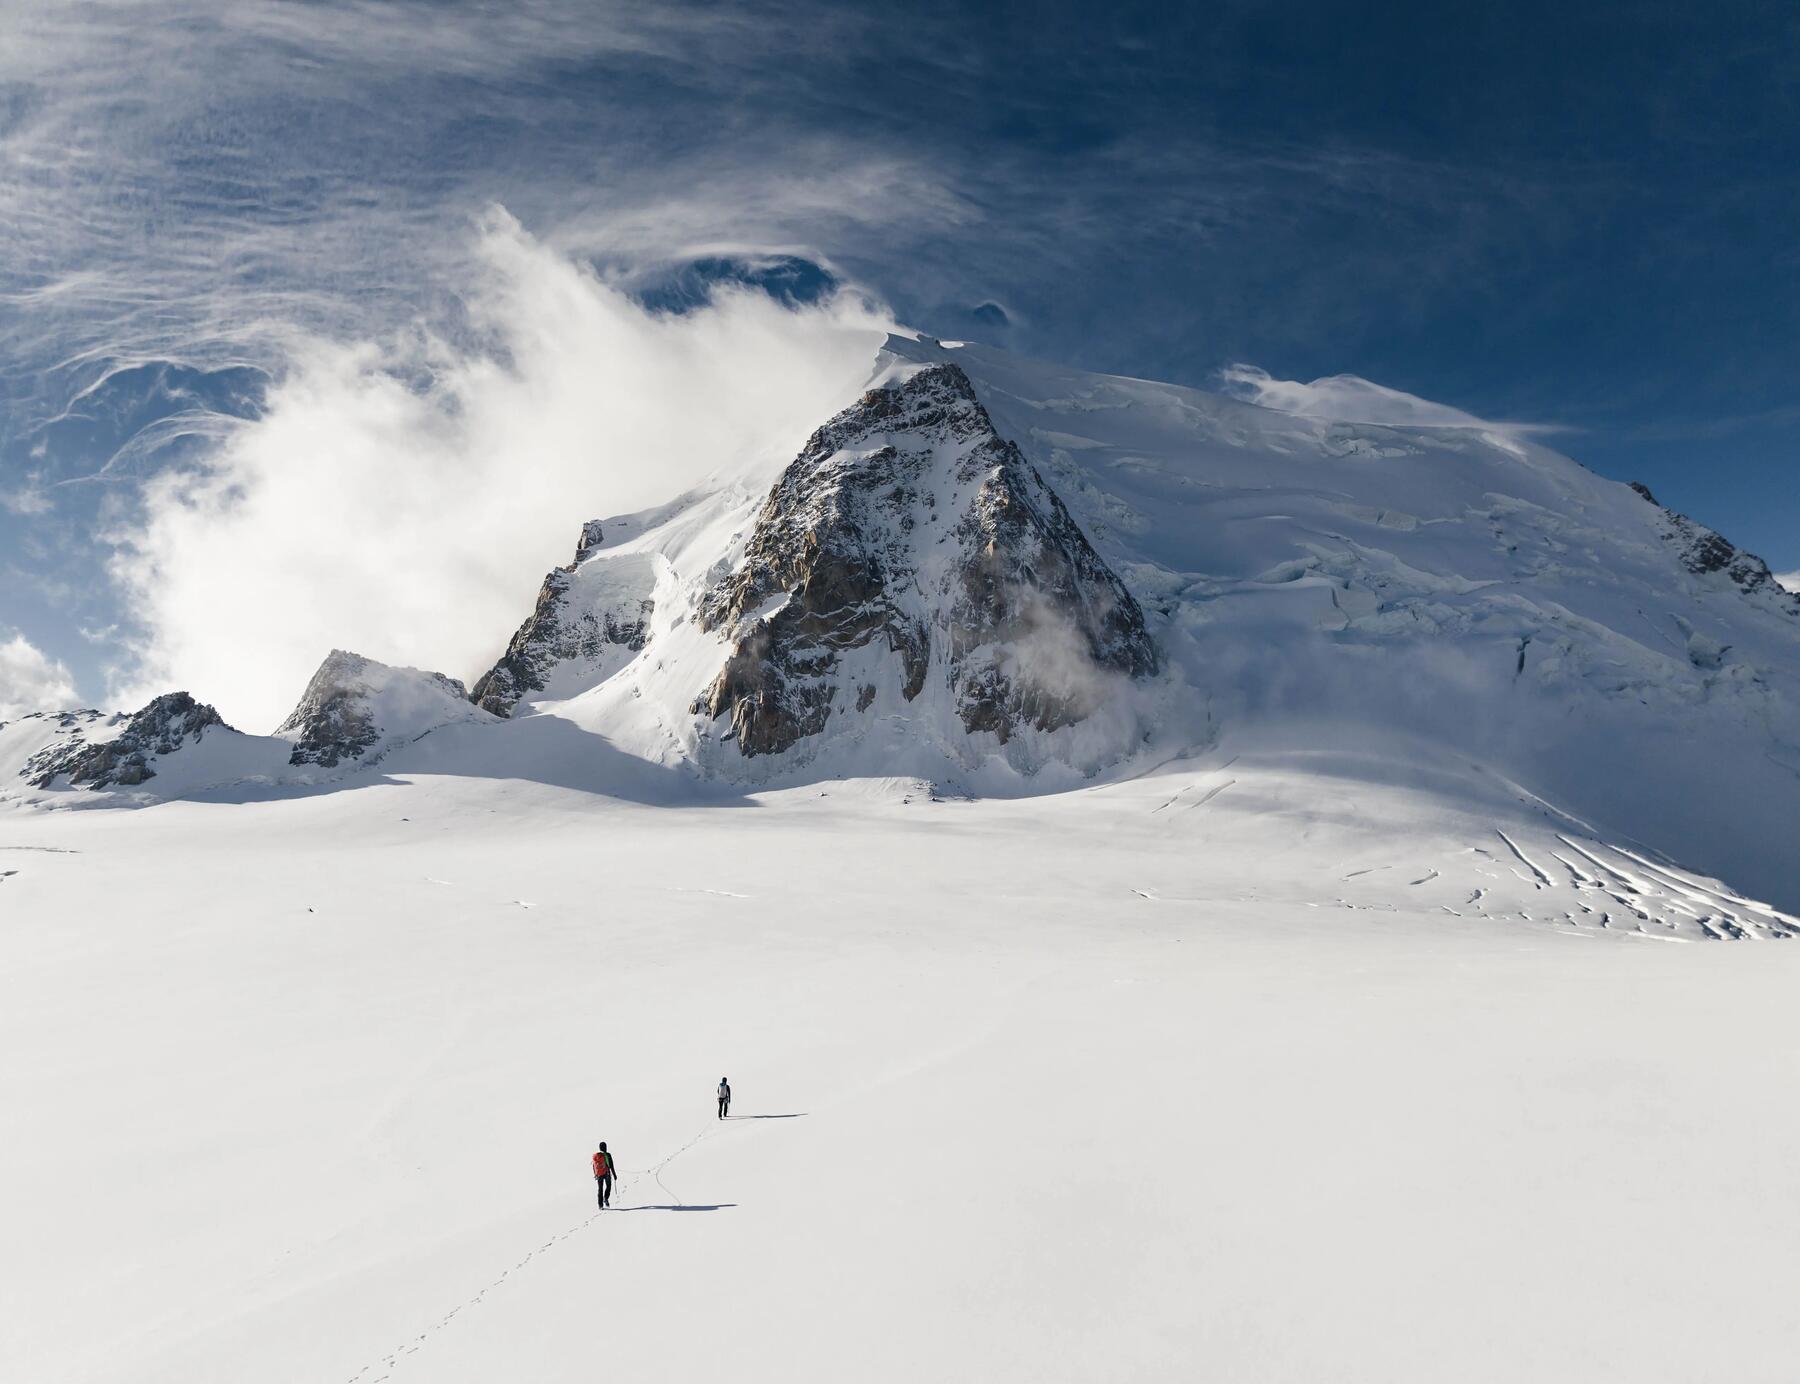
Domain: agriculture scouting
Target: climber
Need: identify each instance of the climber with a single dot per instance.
(724, 1098)
(603, 1175)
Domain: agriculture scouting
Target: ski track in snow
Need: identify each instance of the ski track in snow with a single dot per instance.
(388, 1362)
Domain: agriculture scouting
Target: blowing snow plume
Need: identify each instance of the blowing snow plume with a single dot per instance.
(402, 497)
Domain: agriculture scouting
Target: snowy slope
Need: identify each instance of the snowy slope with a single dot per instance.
(1298, 992)
(1308, 584)
(1192, 1076)
(1321, 581)
(1004, 577)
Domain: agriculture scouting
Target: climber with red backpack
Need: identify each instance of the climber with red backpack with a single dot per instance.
(603, 1175)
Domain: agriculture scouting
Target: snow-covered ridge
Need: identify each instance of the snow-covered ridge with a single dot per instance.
(1007, 577)
(1703, 551)
(1314, 580)
(353, 712)
(128, 756)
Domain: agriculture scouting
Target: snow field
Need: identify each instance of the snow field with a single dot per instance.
(1073, 1094)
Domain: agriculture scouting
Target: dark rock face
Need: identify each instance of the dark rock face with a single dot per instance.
(163, 727)
(568, 623)
(1702, 551)
(335, 720)
(908, 523)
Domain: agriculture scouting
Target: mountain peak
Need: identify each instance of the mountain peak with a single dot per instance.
(592, 536)
(162, 727)
(590, 616)
(355, 708)
(909, 547)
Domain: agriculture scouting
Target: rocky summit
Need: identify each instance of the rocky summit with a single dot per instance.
(579, 619)
(168, 723)
(353, 704)
(907, 525)
(1701, 551)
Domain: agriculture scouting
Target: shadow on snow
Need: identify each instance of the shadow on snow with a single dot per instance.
(715, 1206)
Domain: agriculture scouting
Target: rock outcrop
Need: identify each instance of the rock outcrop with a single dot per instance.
(1702, 551)
(354, 705)
(587, 614)
(166, 725)
(907, 524)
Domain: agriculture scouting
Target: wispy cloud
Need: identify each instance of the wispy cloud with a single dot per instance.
(1352, 399)
(1715, 428)
(206, 183)
(26, 499)
(201, 182)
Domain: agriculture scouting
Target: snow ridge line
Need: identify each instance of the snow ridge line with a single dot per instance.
(1544, 880)
(637, 1174)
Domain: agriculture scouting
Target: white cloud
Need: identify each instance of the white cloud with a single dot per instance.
(27, 501)
(157, 203)
(30, 680)
(1352, 399)
(403, 498)
(1790, 580)
(194, 180)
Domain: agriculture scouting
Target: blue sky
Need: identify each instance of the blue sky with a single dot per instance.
(1578, 219)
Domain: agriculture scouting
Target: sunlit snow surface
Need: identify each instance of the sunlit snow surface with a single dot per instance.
(1324, 1009)
(1247, 1069)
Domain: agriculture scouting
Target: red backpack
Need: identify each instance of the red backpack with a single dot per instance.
(602, 1164)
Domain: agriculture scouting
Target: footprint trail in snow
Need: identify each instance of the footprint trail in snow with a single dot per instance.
(388, 1362)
